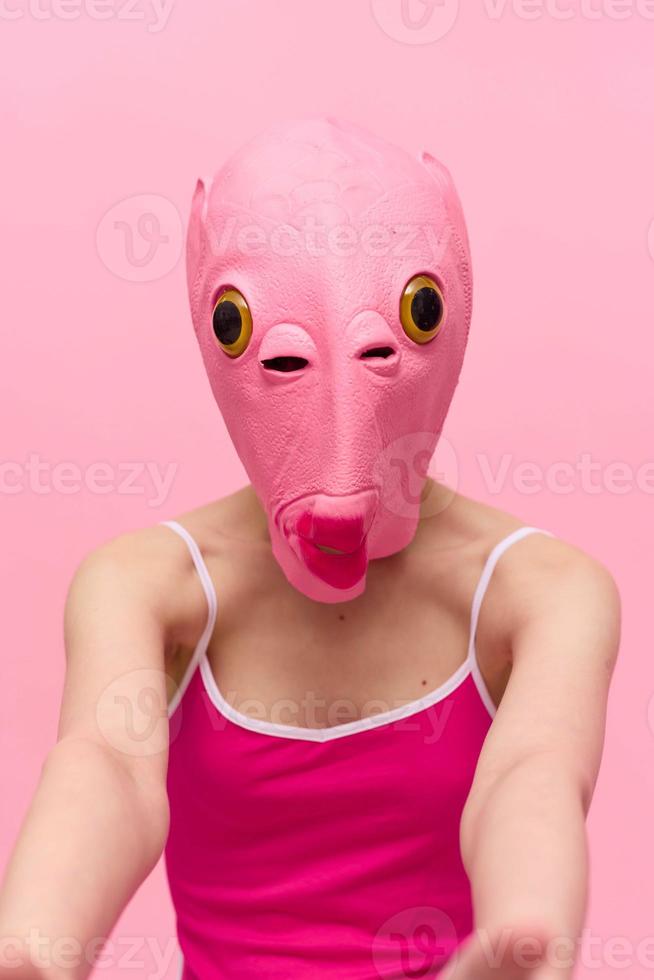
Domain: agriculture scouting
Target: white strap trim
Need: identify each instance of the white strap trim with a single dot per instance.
(212, 603)
(480, 592)
(471, 663)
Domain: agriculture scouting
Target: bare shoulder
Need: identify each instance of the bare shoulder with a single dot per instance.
(554, 575)
(543, 586)
(151, 573)
(539, 577)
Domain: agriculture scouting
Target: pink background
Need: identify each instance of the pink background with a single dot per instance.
(546, 121)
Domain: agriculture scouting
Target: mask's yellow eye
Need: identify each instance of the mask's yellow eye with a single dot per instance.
(422, 309)
(232, 322)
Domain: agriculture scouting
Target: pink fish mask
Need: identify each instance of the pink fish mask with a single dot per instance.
(331, 292)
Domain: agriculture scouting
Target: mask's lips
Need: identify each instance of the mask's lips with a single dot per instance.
(329, 535)
(341, 570)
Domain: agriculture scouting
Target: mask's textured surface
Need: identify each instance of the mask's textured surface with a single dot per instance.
(320, 226)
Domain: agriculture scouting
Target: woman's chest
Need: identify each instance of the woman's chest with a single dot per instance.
(312, 665)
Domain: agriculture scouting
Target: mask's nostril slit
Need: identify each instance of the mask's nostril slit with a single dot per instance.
(378, 352)
(284, 363)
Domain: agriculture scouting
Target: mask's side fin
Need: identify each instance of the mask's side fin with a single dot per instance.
(196, 237)
(443, 178)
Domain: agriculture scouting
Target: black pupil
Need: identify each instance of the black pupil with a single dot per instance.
(427, 308)
(227, 322)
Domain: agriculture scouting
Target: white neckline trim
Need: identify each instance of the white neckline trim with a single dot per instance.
(264, 727)
(470, 665)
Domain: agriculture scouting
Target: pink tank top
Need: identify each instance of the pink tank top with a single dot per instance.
(305, 853)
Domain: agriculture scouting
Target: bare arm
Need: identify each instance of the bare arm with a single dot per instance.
(523, 834)
(99, 818)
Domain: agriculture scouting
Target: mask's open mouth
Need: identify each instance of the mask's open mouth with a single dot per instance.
(330, 551)
(329, 535)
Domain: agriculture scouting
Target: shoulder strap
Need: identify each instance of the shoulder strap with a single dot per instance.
(212, 603)
(478, 598)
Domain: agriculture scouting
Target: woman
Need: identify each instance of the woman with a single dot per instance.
(386, 701)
